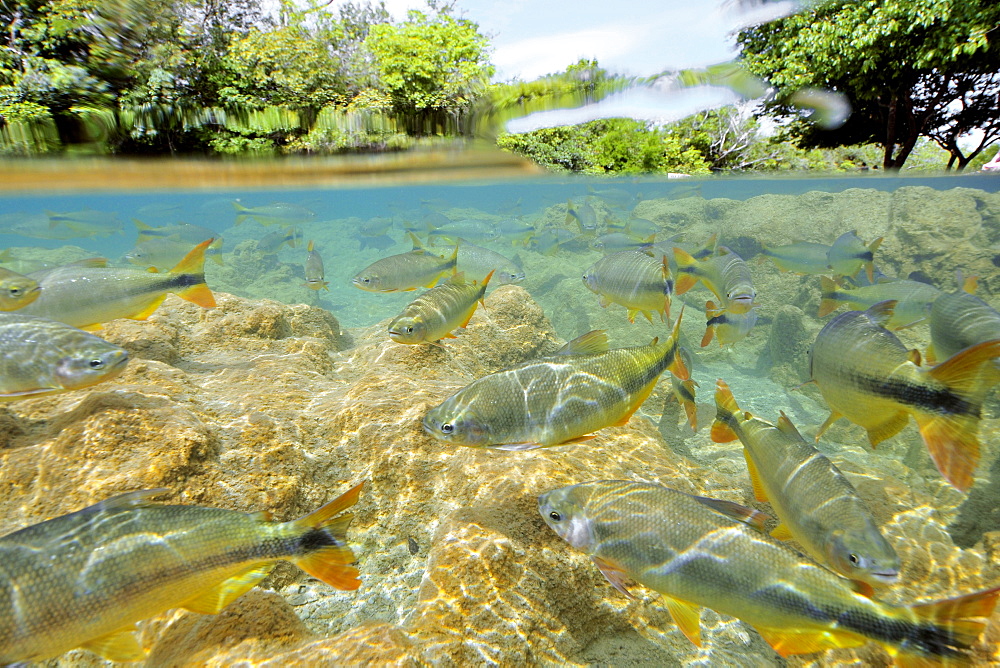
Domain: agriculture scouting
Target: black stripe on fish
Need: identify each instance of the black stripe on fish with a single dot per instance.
(316, 539)
(926, 639)
(930, 399)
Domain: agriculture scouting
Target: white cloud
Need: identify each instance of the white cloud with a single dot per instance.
(536, 56)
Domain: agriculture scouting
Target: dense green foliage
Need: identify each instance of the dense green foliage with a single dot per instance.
(911, 69)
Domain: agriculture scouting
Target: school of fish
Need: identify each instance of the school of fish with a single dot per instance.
(812, 583)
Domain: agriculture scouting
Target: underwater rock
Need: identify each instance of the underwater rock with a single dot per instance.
(788, 344)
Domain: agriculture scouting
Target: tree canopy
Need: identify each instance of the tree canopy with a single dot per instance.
(910, 68)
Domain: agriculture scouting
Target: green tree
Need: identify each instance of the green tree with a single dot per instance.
(432, 64)
(907, 66)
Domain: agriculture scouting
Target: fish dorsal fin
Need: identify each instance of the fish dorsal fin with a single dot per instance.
(914, 356)
(309, 246)
(120, 645)
(457, 278)
(417, 244)
(786, 427)
(882, 312)
(213, 600)
(687, 617)
(134, 499)
(594, 341)
(734, 511)
(141, 226)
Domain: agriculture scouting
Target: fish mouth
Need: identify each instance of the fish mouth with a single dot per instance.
(886, 577)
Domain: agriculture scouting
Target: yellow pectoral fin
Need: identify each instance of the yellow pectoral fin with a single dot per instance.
(212, 602)
(758, 488)
(637, 401)
(148, 310)
(781, 531)
(687, 617)
(121, 645)
(787, 642)
(889, 428)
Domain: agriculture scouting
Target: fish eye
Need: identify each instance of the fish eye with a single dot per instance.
(15, 292)
(409, 330)
(366, 280)
(447, 428)
(96, 364)
(854, 559)
(555, 516)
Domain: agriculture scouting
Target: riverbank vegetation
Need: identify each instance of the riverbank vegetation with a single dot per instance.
(204, 77)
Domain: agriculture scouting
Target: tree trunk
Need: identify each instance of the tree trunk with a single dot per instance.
(890, 134)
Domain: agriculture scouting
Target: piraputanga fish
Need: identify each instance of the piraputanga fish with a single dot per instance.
(315, 273)
(406, 271)
(960, 320)
(433, 315)
(157, 253)
(471, 229)
(725, 274)
(83, 580)
(86, 296)
(818, 507)
(614, 242)
(192, 234)
(583, 214)
(868, 376)
(42, 356)
(704, 552)
(475, 262)
(557, 399)
(273, 241)
(849, 253)
(638, 280)
(16, 290)
(515, 229)
(684, 390)
(912, 299)
(276, 213)
(87, 223)
(725, 325)
(801, 257)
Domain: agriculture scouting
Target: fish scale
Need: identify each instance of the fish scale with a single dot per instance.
(434, 314)
(959, 320)
(695, 552)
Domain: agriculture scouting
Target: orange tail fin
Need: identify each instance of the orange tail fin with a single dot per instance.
(193, 264)
(955, 625)
(686, 268)
(951, 436)
(725, 414)
(830, 299)
(330, 560)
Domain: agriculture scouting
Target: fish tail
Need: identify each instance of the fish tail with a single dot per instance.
(946, 630)
(870, 260)
(453, 261)
(951, 433)
(690, 408)
(309, 248)
(324, 552)
(830, 296)
(482, 287)
(726, 409)
(677, 366)
(194, 264)
(686, 271)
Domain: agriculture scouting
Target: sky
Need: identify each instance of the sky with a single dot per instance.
(632, 37)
